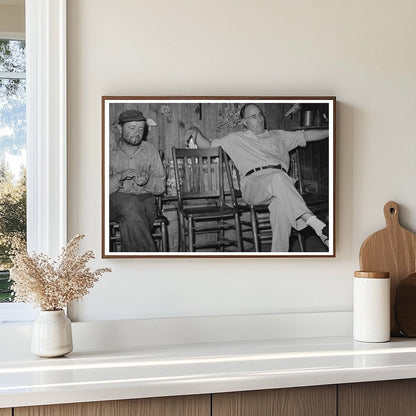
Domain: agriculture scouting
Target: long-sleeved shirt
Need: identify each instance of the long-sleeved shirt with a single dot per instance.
(145, 158)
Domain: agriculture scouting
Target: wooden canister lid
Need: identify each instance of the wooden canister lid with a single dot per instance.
(372, 275)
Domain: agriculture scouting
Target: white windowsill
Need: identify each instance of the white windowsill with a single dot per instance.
(16, 313)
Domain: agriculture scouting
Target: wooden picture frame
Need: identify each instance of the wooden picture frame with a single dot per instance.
(169, 121)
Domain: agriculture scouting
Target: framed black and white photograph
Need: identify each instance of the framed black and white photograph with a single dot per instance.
(218, 176)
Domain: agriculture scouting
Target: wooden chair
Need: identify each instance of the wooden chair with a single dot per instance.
(201, 201)
(257, 229)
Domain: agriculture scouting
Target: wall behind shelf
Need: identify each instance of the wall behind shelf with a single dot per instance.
(363, 53)
(12, 17)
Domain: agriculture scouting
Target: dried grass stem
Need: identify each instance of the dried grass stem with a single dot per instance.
(53, 285)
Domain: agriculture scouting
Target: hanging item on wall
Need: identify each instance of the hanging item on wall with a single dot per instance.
(255, 149)
(293, 110)
(166, 111)
(198, 110)
(228, 117)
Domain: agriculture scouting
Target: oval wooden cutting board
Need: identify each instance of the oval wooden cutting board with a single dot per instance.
(392, 250)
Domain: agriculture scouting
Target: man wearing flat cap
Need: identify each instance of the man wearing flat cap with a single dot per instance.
(136, 176)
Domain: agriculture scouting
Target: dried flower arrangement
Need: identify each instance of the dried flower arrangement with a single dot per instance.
(53, 285)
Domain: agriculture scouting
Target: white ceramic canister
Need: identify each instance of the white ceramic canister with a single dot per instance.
(371, 309)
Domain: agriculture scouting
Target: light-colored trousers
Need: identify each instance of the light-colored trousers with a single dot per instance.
(275, 188)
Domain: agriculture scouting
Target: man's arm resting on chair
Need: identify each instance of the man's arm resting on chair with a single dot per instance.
(315, 135)
(195, 135)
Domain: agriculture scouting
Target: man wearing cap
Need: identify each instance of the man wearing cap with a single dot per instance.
(262, 158)
(136, 176)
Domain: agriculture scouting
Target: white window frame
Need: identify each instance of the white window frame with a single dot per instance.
(46, 133)
(46, 125)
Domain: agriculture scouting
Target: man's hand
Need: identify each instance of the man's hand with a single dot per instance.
(139, 177)
(190, 137)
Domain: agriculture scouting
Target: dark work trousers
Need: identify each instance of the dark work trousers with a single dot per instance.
(135, 215)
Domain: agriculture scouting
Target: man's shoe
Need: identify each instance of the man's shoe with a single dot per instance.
(325, 236)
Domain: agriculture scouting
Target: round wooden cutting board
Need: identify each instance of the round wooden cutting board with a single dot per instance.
(392, 250)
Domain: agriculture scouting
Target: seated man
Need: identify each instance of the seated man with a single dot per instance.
(136, 176)
(262, 157)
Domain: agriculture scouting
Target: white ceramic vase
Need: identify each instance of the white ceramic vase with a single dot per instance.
(52, 334)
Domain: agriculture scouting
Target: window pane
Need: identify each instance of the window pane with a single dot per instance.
(12, 56)
(12, 174)
(12, 117)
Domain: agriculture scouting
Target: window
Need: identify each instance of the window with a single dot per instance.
(12, 154)
(12, 165)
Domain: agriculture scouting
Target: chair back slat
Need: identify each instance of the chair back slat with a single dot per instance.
(209, 173)
(199, 173)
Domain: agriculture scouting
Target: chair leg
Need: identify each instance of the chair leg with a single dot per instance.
(181, 233)
(300, 239)
(191, 234)
(164, 236)
(238, 233)
(115, 241)
(253, 219)
(222, 236)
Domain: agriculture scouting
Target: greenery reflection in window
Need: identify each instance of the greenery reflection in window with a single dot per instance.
(12, 155)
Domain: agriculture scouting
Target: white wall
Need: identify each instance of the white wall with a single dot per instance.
(363, 52)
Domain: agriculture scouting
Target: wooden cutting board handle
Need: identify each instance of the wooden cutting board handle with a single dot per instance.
(391, 214)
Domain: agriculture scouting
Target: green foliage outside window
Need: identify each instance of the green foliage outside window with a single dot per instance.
(5, 292)
(12, 224)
